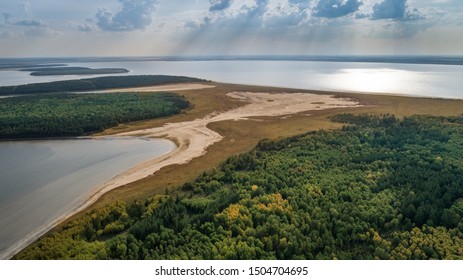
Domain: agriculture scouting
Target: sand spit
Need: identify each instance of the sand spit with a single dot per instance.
(194, 137)
(168, 87)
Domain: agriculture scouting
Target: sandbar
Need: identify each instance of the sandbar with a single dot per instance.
(167, 87)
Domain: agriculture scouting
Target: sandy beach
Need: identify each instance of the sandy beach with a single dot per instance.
(194, 137)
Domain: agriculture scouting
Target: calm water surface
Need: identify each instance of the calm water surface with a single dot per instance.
(42, 180)
(411, 79)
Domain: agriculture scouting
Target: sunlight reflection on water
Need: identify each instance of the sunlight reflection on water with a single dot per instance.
(395, 78)
(376, 80)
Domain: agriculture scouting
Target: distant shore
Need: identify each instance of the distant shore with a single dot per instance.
(59, 71)
(8, 63)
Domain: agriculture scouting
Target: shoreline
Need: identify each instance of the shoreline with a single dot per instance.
(166, 87)
(192, 139)
(83, 201)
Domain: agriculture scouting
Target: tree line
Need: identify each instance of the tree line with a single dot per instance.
(63, 115)
(100, 83)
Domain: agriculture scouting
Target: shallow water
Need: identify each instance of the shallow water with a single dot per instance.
(42, 180)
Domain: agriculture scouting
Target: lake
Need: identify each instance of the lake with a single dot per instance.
(443, 81)
(40, 181)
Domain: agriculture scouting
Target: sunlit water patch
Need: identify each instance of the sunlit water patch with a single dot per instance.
(410, 79)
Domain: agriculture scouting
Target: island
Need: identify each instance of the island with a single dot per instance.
(66, 70)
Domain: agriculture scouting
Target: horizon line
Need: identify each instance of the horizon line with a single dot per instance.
(407, 59)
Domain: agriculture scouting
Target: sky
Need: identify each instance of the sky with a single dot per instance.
(57, 28)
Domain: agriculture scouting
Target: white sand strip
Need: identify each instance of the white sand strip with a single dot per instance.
(168, 87)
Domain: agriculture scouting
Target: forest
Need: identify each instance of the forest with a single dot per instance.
(64, 115)
(49, 71)
(379, 188)
(100, 83)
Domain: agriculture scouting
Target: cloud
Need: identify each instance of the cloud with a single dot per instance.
(219, 5)
(247, 17)
(42, 31)
(282, 16)
(34, 28)
(361, 16)
(281, 21)
(394, 9)
(259, 10)
(301, 4)
(6, 17)
(134, 15)
(30, 23)
(336, 8)
(399, 30)
(25, 7)
(6, 34)
(389, 9)
(191, 24)
(85, 28)
(21, 22)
